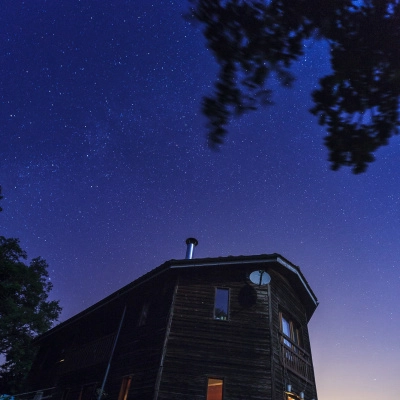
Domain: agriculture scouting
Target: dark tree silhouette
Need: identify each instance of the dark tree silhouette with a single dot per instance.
(25, 311)
(358, 102)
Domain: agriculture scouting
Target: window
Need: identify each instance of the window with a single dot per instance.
(143, 314)
(293, 355)
(290, 329)
(126, 383)
(215, 389)
(221, 305)
(87, 392)
(65, 394)
(293, 396)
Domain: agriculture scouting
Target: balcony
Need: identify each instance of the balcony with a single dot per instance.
(295, 358)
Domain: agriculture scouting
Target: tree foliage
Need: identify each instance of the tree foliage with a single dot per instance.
(358, 102)
(25, 310)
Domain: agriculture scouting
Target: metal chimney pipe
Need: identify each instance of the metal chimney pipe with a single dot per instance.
(191, 244)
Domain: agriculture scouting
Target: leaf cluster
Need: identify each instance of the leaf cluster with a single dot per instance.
(25, 310)
(358, 102)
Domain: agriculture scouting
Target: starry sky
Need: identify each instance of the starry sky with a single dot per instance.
(105, 172)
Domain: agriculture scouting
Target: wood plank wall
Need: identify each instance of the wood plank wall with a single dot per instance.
(237, 350)
(284, 299)
(243, 350)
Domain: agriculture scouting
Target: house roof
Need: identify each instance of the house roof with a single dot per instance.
(268, 261)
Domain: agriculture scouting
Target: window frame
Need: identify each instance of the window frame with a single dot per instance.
(295, 331)
(219, 378)
(65, 394)
(125, 386)
(144, 313)
(228, 301)
(294, 356)
(292, 396)
(87, 391)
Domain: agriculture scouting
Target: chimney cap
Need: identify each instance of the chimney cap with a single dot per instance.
(192, 241)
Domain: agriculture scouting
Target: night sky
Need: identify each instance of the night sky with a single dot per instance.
(105, 172)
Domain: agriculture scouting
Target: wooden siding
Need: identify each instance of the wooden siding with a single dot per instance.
(85, 356)
(180, 344)
(237, 350)
(140, 347)
(284, 299)
(85, 346)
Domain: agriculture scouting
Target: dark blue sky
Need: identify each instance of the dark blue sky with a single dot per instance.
(105, 172)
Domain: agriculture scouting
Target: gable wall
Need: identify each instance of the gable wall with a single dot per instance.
(237, 350)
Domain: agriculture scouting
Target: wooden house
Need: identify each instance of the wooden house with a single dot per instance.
(214, 328)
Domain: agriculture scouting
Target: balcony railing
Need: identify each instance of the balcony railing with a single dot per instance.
(295, 358)
(36, 395)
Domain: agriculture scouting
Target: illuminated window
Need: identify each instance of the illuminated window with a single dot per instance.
(126, 383)
(215, 389)
(221, 305)
(292, 396)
